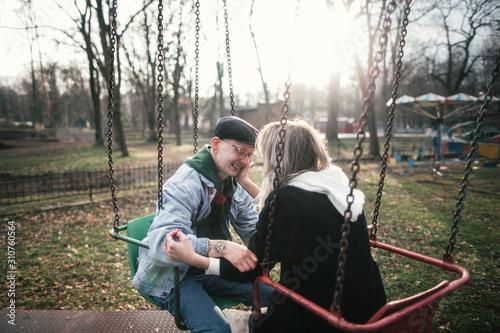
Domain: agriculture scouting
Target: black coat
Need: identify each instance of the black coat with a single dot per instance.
(305, 240)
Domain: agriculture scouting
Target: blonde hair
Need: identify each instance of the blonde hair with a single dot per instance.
(304, 150)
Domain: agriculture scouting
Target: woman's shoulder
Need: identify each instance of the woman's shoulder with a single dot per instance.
(294, 191)
(305, 199)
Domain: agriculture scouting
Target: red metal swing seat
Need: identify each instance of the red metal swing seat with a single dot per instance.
(412, 314)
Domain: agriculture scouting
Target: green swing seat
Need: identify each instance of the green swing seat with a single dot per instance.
(136, 231)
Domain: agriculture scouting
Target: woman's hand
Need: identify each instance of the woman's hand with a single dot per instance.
(243, 179)
(242, 175)
(238, 255)
(178, 247)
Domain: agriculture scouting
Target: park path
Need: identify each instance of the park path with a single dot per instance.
(75, 138)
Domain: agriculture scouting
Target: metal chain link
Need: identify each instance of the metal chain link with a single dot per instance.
(111, 87)
(229, 67)
(277, 172)
(358, 152)
(160, 104)
(279, 157)
(160, 108)
(196, 78)
(388, 133)
(470, 159)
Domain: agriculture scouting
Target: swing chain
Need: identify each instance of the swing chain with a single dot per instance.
(229, 67)
(279, 157)
(196, 77)
(111, 87)
(388, 134)
(277, 173)
(160, 104)
(358, 152)
(160, 108)
(470, 159)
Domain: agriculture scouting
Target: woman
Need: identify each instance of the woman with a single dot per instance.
(309, 213)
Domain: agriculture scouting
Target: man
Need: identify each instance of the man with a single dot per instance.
(209, 191)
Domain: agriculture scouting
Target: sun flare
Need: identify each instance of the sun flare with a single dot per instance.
(323, 43)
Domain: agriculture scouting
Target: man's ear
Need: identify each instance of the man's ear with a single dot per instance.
(215, 144)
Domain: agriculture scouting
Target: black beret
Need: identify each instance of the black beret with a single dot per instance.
(236, 129)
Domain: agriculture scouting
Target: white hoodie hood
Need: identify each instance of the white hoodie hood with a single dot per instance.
(334, 183)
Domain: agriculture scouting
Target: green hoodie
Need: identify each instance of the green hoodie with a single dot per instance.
(204, 164)
(212, 226)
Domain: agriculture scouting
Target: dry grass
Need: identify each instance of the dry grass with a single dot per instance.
(66, 260)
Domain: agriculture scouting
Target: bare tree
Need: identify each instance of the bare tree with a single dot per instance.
(11, 108)
(75, 102)
(104, 66)
(374, 15)
(220, 76)
(35, 37)
(52, 91)
(177, 63)
(103, 15)
(35, 104)
(333, 102)
(333, 106)
(143, 78)
(264, 84)
(451, 70)
(99, 56)
(84, 25)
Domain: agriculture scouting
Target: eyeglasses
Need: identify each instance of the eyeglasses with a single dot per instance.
(242, 153)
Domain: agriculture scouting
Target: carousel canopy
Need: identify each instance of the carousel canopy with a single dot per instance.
(483, 97)
(405, 99)
(461, 97)
(430, 97)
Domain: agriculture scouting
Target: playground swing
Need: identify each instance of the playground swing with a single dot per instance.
(412, 314)
(137, 229)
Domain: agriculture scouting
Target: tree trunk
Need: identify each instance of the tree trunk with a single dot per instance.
(104, 32)
(175, 119)
(372, 129)
(84, 27)
(117, 121)
(120, 134)
(96, 103)
(371, 122)
(176, 83)
(220, 75)
(213, 106)
(264, 84)
(333, 107)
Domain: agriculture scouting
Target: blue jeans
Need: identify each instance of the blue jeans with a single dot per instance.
(199, 312)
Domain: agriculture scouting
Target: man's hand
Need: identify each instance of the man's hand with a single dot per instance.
(239, 256)
(178, 247)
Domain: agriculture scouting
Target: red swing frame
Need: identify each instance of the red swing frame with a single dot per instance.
(412, 314)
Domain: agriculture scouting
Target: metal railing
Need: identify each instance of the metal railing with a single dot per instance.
(15, 189)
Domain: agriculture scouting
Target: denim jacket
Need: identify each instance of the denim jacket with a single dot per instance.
(186, 200)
